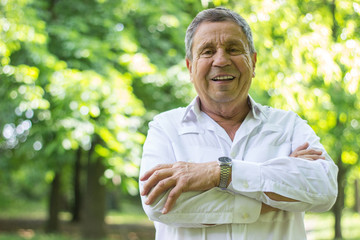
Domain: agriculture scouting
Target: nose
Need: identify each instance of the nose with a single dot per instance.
(221, 58)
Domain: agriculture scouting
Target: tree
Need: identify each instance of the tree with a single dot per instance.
(72, 96)
(308, 62)
(77, 77)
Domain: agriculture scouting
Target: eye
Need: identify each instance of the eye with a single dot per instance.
(207, 52)
(234, 50)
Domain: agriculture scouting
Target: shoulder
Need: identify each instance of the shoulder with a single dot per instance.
(278, 116)
(169, 119)
(167, 123)
(172, 115)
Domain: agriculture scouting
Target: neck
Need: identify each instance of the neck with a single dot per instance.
(230, 119)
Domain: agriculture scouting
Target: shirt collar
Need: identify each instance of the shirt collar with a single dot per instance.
(257, 109)
(193, 112)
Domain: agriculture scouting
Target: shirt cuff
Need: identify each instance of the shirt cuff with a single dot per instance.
(245, 176)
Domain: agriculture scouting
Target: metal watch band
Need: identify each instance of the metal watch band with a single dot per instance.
(224, 175)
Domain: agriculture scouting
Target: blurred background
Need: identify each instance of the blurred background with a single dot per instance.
(80, 80)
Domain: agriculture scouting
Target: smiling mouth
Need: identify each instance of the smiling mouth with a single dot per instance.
(223, 78)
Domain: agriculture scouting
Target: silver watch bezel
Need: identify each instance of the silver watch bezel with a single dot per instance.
(225, 161)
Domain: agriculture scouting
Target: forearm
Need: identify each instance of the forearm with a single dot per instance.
(288, 184)
(193, 208)
(277, 197)
(196, 209)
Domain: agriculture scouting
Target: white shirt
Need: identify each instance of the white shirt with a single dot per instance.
(261, 163)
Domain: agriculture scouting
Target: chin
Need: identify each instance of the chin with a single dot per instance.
(223, 99)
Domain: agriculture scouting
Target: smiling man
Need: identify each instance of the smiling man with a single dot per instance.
(221, 69)
(226, 167)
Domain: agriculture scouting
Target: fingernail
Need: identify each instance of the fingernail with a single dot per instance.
(147, 202)
(164, 211)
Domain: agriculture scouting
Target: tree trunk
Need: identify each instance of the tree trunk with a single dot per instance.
(357, 196)
(93, 225)
(52, 224)
(335, 26)
(76, 208)
(339, 204)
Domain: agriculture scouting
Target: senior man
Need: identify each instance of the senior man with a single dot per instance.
(226, 167)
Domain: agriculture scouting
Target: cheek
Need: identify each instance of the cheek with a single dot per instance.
(202, 68)
(198, 76)
(244, 64)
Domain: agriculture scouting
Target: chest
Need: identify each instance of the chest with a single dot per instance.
(258, 144)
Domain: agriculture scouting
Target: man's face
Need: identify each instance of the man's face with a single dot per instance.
(222, 66)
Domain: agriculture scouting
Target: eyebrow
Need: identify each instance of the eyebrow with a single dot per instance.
(230, 42)
(205, 45)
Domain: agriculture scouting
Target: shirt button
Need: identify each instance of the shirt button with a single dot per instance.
(245, 185)
(233, 155)
(245, 216)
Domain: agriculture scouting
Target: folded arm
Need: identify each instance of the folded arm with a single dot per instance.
(180, 177)
(311, 185)
(196, 201)
(192, 185)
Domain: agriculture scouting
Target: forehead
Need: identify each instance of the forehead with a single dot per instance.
(218, 33)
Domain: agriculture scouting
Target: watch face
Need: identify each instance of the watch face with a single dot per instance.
(224, 160)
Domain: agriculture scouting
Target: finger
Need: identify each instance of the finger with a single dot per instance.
(160, 188)
(306, 152)
(299, 149)
(302, 147)
(148, 174)
(154, 179)
(313, 151)
(171, 199)
(309, 152)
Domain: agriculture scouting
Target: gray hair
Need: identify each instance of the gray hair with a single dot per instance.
(218, 14)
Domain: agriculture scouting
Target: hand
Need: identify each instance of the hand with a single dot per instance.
(181, 177)
(309, 154)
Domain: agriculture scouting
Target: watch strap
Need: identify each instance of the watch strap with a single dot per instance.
(224, 175)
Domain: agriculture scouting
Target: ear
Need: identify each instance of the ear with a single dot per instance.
(254, 59)
(189, 67)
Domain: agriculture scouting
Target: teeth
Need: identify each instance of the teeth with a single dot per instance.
(223, 78)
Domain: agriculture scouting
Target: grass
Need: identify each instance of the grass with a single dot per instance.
(127, 218)
(319, 225)
(131, 213)
(33, 236)
(24, 209)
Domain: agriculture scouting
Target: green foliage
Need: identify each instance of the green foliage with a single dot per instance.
(309, 62)
(64, 81)
(72, 71)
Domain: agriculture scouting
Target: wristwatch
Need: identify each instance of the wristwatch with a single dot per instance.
(225, 164)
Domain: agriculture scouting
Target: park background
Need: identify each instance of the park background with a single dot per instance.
(80, 80)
